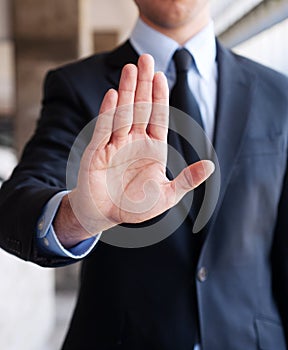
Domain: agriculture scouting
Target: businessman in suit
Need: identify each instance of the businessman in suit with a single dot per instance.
(223, 288)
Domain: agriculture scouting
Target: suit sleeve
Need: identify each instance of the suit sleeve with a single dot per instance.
(41, 172)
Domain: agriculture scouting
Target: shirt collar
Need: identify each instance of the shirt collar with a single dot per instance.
(202, 47)
(145, 39)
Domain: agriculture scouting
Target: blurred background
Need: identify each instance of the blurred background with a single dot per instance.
(37, 35)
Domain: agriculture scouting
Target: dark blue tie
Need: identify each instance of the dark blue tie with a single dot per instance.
(183, 99)
(181, 96)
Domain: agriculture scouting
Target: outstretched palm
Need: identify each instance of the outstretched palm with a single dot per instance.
(122, 173)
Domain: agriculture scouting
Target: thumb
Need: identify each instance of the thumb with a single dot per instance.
(191, 177)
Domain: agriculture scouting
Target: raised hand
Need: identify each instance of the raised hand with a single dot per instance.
(122, 175)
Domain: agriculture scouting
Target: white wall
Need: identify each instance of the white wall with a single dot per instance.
(269, 47)
(227, 12)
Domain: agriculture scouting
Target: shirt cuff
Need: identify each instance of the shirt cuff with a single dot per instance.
(47, 239)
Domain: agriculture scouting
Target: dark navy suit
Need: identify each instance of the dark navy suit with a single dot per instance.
(141, 298)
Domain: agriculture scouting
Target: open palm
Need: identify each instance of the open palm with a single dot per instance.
(122, 172)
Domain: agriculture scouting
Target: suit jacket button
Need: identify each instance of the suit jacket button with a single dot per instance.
(202, 274)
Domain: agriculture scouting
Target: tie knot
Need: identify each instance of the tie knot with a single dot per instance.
(183, 60)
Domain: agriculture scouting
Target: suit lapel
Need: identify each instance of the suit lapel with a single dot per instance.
(235, 90)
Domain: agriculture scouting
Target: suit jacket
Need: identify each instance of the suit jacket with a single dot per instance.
(141, 298)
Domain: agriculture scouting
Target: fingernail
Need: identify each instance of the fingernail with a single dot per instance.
(209, 167)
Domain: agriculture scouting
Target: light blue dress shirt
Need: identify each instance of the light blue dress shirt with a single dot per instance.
(202, 79)
(203, 83)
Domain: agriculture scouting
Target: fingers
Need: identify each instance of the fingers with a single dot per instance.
(139, 101)
(158, 124)
(126, 94)
(191, 177)
(103, 130)
(143, 95)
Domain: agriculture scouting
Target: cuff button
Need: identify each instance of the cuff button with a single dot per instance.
(46, 242)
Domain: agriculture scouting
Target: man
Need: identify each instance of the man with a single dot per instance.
(223, 288)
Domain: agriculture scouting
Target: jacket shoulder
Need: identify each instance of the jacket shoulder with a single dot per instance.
(110, 60)
(82, 66)
(261, 71)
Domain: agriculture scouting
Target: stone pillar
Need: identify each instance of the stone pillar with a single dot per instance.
(45, 35)
(6, 75)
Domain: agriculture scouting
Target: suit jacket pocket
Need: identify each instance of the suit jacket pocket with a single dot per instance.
(270, 334)
(262, 146)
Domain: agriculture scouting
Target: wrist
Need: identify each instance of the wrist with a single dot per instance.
(72, 224)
